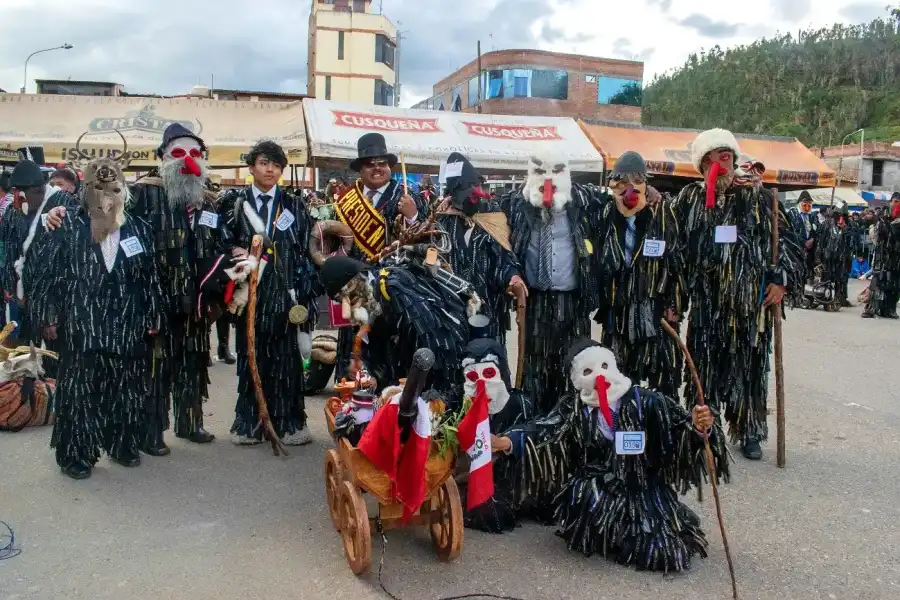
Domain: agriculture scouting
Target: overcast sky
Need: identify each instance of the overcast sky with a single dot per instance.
(167, 46)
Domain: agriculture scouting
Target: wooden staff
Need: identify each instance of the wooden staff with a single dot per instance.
(265, 421)
(710, 461)
(403, 169)
(521, 303)
(779, 353)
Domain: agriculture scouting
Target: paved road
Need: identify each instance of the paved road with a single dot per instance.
(222, 522)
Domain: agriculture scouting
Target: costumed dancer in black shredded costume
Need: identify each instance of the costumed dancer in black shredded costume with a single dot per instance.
(101, 290)
(806, 226)
(619, 454)
(21, 231)
(726, 222)
(285, 298)
(834, 251)
(642, 272)
(406, 308)
(480, 246)
(369, 208)
(552, 223)
(884, 291)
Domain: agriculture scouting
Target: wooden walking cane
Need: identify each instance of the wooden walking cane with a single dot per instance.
(403, 169)
(265, 421)
(520, 295)
(779, 354)
(710, 461)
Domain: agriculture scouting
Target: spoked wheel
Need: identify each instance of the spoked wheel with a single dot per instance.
(447, 526)
(333, 479)
(355, 529)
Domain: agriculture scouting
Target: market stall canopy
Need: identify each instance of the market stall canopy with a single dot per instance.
(491, 142)
(821, 198)
(668, 152)
(229, 128)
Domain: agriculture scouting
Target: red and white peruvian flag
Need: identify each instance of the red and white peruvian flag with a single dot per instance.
(404, 464)
(474, 434)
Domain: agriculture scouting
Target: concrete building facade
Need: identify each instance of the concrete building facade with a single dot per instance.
(535, 82)
(878, 169)
(352, 53)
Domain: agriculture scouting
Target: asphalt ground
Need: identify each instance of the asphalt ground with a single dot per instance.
(222, 522)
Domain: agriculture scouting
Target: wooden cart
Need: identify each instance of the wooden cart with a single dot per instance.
(348, 473)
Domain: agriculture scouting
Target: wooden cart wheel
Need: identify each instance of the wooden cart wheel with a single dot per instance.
(333, 478)
(355, 529)
(447, 526)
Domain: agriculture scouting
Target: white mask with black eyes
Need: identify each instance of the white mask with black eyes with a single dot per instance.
(549, 183)
(489, 373)
(591, 363)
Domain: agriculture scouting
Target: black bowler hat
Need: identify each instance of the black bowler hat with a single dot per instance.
(371, 145)
(337, 272)
(32, 153)
(479, 327)
(175, 131)
(26, 174)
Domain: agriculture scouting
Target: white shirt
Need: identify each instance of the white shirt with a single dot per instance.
(110, 248)
(378, 193)
(271, 194)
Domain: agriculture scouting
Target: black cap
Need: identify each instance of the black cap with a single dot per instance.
(175, 131)
(478, 349)
(371, 145)
(467, 179)
(338, 271)
(630, 163)
(577, 348)
(26, 174)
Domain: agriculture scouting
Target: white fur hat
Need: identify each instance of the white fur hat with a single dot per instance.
(710, 140)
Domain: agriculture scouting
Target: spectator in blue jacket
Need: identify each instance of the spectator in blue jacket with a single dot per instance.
(860, 267)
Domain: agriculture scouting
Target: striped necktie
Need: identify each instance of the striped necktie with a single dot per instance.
(545, 266)
(630, 237)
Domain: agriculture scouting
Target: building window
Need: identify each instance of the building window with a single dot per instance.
(456, 102)
(328, 87)
(877, 173)
(590, 79)
(359, 5)
(526, 83)
(612, 90)
(384, 50)
(473, 91)
(340, 45)
(384, 94)
(550, 84)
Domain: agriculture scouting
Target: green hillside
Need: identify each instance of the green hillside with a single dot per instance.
(818, 88)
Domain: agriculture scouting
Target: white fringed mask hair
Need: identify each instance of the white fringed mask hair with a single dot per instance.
(588, 366)
(358, 302)
(549, 183)
(488, 372)
(184, 172)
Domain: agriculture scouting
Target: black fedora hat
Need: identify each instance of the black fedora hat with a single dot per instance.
(371, 145)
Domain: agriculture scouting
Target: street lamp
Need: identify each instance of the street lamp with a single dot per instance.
(25, 80)
(841, 160)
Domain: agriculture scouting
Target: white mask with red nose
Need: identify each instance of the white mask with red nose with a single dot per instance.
(549, 183)
(188, 151)
(488, 374)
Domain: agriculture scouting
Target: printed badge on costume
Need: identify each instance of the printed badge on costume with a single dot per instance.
(131, 246)
(209, 219)
(285, 220)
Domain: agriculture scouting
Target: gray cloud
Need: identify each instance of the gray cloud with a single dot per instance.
(863, 12)
(664, 5)
(709, 28)
(792, 10)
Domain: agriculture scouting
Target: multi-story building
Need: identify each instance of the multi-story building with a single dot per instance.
(535, 82)
(874, 168)
(352, 53)
(67, 87)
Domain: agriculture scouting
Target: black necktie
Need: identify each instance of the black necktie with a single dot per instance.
(263, 207)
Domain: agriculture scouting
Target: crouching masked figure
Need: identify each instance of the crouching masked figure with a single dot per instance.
(405, 308)
(486, 371)
(618, 455)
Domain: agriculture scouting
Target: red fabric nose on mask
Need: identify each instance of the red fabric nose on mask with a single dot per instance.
(895, 213)
(715, 170)
(600, 386)
(630, 198)
(548, 189)
(480, 387)
(190, 167)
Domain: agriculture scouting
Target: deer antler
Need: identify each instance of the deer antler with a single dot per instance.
(82, 158)
(125, 158)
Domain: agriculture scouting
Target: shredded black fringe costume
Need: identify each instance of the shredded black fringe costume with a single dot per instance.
(555, 319)
(288, 279)
(635, 296)
(884, 291)
(389, 206)
(15, 231)
(104, 319)
(806, 228)
(625, 508)
(834, 252)
(180, 359)
(481, 260)
(729, 331)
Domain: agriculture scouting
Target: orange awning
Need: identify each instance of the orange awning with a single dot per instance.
(668, 152)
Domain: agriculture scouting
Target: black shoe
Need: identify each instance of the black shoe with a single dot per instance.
(868, 314)
(77, 470)
(752, 449)
(155, 446)
(892, 315)
(226, 356)
(201, 436)
(127, 459)
(846, 304)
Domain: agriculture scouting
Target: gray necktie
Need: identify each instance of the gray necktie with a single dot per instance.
(545, 268)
